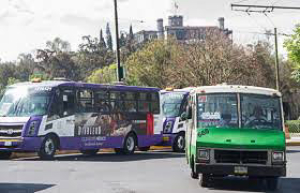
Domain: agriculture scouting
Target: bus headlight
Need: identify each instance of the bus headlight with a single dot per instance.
(168, 127)
(203, 155)
(32, 128)
(277, 156)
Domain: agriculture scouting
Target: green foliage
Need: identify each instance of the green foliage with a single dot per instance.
(149, 66)
(294, 126)
(108, 74)
(293, 45)
(12, 80)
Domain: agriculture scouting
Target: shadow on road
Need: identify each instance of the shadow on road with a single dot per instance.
(113, 157)
(23, 188)
(285, 185)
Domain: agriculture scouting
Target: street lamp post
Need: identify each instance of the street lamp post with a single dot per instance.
(120, 71)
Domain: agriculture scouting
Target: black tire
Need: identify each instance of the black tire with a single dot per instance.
(272, 183)
(48, 148)
(129, 144)
(204, 181)
(179, 143)
(144, 148)
(5, 155)
(194, 175)
(90, 152)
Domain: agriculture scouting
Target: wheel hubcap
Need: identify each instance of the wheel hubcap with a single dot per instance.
(180, 142)
(130, 143)
(49, 146)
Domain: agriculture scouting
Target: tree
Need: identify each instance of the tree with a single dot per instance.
(101, 40)
(109, 37)
(293, 46)
(122, 40)
(131, 35)
(56, 60)
(149, 66)
(108, 74)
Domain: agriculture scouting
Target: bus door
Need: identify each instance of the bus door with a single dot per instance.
(67, 122)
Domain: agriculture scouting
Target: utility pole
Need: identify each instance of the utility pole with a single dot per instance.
(266, 9)
(276, 60)
(120, 69)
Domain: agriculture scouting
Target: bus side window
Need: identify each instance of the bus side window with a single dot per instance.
(155, 103)
(68, 100)
(101, 101)
(85, 100)
(143, 103)
(116, 101)
(55, 107)
(130, 102)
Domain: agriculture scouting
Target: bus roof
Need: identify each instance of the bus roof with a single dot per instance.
(52, 84)
(235, 89)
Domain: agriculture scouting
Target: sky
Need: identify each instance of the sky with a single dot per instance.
(26, 25)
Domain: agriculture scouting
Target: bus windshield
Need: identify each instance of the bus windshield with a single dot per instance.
(257, 111)
(24, 102)
(171, 102)
(261, 112)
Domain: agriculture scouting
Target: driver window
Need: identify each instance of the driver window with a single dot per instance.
(68, 101)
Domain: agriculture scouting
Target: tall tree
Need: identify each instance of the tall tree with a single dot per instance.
(122, 40)
(131, 35)
(109, 37)
(101, 40)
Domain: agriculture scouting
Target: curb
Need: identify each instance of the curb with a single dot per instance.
(293, 143)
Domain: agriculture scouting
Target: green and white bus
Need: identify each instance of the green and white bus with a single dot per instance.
(235, 131)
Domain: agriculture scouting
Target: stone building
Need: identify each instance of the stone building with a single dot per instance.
(176, 28)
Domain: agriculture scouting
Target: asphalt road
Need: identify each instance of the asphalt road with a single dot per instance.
(159, 172)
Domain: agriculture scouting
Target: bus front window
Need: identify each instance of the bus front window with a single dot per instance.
(261, 112)
(171, 102)
(217, 110)
(24, 102)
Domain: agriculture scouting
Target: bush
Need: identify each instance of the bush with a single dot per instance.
(294, 126)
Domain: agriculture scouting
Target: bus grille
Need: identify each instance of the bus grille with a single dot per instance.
(241, 157)
(10, 131)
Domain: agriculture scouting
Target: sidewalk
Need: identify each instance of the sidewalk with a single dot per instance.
(294, 141)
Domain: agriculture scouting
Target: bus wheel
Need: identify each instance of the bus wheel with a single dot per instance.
(204, 182)
(144, 148)
(5, 155)
(179, 143)
(89, 152)
(129, 144)
(272, 183)
(48, 149)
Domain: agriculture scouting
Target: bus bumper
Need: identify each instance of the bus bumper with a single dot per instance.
(168, 139)
(20, 144)
(258, 171)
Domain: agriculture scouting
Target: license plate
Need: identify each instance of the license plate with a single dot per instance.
(165, 139)
(240, 170)
(7, 143)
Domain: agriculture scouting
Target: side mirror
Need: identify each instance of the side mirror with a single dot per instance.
(183, 116)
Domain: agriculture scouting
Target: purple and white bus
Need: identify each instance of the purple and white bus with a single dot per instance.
(174, 102)
(55, 115)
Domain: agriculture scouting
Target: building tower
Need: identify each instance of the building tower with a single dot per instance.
(221, 23)
(160, 29)
(175, 21)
